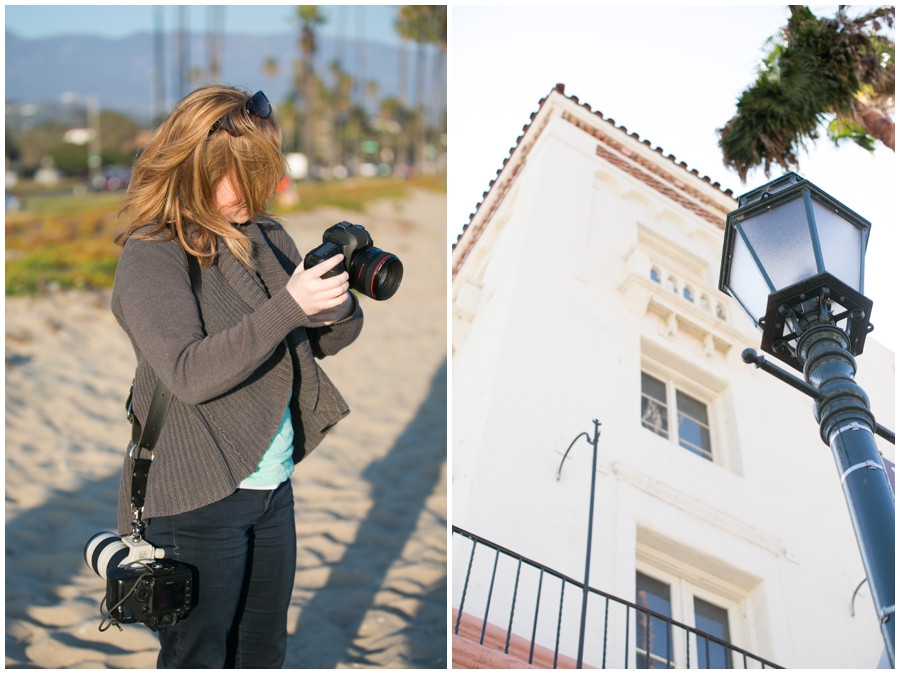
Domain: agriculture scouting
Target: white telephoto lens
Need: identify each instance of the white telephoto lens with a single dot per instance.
(104, 550)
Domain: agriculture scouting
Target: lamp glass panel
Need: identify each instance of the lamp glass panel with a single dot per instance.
(780, 236)
(746, 281)
(841, 242)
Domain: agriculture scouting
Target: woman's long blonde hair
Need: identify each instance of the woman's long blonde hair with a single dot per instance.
(174, 180)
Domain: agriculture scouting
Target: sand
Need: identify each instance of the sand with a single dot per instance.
(371, 510)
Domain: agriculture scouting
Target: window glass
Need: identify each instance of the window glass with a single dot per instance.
(654, 275)
(714, 621)
(693, 425)
(654, 414)
(654, 635)
(688, 295)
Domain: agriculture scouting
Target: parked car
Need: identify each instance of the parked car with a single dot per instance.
(115, 178)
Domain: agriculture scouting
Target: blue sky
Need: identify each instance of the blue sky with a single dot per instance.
(376, 22)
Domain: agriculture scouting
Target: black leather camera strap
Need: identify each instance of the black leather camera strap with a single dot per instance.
(145, 438)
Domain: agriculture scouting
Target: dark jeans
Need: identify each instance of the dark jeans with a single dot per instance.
(244, 550)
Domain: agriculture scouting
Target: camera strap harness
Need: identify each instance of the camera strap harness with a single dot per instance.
(145, 438)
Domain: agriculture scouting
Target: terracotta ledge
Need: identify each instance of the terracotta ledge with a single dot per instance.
(468, 653)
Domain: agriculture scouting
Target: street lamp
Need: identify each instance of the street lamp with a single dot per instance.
(93, 115)
(794, 260)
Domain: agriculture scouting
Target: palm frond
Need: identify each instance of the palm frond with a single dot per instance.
(814, 69)
(842, 129)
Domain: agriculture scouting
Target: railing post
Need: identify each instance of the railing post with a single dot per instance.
(487, 608)
(465, 588)
(562, 595)
(627, 628)
(537, 608)
(605, 630)
(512, 610)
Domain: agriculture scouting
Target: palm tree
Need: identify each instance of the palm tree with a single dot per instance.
(837, 73)
(424, 24)
(339, 103)
(310, 18)
(270, 68)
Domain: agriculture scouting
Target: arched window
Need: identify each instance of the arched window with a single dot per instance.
(720, 312)
(688, 294)
(654, 275)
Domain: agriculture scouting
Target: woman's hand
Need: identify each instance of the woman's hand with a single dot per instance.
(315, 294)
(329, 316)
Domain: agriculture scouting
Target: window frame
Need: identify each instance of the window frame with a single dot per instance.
(682, 592)
(674, 382)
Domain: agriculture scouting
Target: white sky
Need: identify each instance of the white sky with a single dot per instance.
(672, 74)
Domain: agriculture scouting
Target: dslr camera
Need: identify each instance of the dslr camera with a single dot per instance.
(373, 272)
(141, 586)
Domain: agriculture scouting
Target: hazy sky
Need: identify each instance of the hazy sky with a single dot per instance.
(671, 74)
(375, 22)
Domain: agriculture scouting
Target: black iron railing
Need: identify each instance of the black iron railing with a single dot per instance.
(667, 642)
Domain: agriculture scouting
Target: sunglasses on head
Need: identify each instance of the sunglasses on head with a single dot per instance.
(257, 105)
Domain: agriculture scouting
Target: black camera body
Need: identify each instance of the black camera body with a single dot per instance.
(141, 586)
(157, 593)
(373, 272)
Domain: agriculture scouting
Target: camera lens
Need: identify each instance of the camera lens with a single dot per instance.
(143, 594)
(104, 550)
(375, 273)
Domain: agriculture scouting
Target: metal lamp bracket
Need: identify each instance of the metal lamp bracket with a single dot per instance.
(791, 306)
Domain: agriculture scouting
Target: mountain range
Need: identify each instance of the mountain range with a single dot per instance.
(120, 71)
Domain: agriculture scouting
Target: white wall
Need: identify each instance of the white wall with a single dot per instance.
(554, 312)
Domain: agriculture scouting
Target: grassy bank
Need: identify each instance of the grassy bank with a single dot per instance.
(65, 241)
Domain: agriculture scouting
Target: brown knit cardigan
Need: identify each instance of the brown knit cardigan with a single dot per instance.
(227, 366)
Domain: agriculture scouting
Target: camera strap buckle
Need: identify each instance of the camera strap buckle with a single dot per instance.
(129, 405)
(140, 551)
(140, 471)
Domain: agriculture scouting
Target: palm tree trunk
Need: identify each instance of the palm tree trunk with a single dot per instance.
(877, 124)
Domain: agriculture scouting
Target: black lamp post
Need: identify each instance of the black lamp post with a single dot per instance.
(590, 533)
(794, 260)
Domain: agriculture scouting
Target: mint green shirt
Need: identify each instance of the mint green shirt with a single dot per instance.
(277, 463)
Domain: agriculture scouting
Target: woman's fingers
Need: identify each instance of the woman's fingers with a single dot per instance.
(315, 294)
(324, 266)
(341, 310)
(335, 281)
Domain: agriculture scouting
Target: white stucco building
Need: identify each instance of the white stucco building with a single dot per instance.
(585, 287)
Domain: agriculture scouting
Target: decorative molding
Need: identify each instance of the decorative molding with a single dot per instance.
(499, 188)
(643, 297)
(507, 174)
(669, 328)
(655, 170)
(700, 510)
(633, 170)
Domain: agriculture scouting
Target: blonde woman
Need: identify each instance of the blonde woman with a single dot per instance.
(249, 398)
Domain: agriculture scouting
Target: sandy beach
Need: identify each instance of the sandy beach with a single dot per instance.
(371, 502)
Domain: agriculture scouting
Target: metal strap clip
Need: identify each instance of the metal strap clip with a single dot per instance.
(852, 426)
(129, 405)
(865, 464)
(132, 447)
